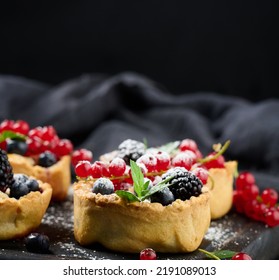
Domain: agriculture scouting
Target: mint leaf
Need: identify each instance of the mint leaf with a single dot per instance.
(7, 134)
(130, 197)
(138, 178)
(158, 187)
(141, 189)
(224, 254)
(218, 255)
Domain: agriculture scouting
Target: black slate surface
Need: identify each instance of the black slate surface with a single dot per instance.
(232, 232)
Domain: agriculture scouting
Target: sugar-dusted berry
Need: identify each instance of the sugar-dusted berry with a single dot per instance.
(103, 186)
(83, 169)
(81, 154)
(117, 167)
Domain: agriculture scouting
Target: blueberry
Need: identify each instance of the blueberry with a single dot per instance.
(47, 159)
(32, 185)
(19, 187)
(165, 197)
(16, 147)
(103, 186)
(37, 243)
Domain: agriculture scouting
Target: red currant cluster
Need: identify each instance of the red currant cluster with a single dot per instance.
(39, 140)
(153, 163)
(248, 200)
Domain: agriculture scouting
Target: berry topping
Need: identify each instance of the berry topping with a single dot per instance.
(184, 184)
(148, 254)
(131, 150)
(165, 197)
(64, 147)
(47, 159)
(19, 187)
(81, 154)
(163, 160)
(16, 147)
(219, 162)
(37, 243)
(32, 185)
(188, 144)
(241, 256)
(150, 162)
(201, 173)
(6, 172)
(117, 167)
(103, 186)
(83, 169)
(184, 159)
(21, 127)
(99, 169)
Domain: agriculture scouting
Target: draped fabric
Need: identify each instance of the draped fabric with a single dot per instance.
(98, 112)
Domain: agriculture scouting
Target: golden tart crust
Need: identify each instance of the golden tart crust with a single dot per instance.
(221, 189)
(57, 175)
(131, 227)
(20, 216)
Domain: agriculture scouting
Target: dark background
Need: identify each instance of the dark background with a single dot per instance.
(228, 47)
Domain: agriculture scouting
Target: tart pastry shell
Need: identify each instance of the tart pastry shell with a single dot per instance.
(131, 227)
(21, 216)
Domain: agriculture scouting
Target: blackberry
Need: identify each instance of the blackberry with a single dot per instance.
(184, 183)
(6, 172)
(131, 150)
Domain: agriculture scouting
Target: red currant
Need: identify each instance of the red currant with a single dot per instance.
(269, 196)
(99, 169)
(272, 218)
(241, 256)
(163, 160)
(219, 162)
(188, 144)
(238, 201)
(21, 127)
(81, 154)
(184, 159)
(201, 173)
(150, 161)
(148, 254)
(48, 132)
(250, 192)
(244, 179)
(35, 132)
(64, 147)
(6, 125)
(117, 167)
(83, 169)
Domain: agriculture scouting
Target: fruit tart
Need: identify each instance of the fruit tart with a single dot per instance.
(40, 153)
(170, 214)
(23, 201)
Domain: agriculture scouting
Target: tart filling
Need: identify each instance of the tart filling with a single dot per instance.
(20, 216)
(57, 175)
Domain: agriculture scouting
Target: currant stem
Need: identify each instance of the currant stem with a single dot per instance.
(211, 255)
(221, 151)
